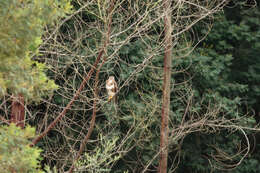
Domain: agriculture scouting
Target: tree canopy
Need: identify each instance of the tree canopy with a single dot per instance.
(60, 59)
(22, 25)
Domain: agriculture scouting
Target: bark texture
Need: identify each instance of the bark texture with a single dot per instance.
(166, 89)
(18, 112)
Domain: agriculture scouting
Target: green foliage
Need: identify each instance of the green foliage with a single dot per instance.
(225, 72)
(22, 25)
(101, 157)
(239, 35)
(15, 153)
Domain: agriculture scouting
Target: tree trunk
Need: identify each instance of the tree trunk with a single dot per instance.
(18, 112)
(166, 89)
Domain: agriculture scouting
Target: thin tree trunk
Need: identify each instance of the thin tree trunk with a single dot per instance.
(92, 122)
(76, 95)
(83, 83)
(93, 119)
(18, 112)
(166, 89)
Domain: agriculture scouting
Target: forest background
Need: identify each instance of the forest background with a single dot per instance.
(56, 57)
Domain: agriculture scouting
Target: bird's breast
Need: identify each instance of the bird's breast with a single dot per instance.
(109, 87)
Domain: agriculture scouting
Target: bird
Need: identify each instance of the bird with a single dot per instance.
(111, 87)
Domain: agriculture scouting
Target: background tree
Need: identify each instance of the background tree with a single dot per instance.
(22, 78)
(221, 68)
(15, 153)
(21, 30)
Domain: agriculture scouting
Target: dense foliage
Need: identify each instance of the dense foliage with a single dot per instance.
(215, 84)
(225, 70)
(22, 25)
(15, 153)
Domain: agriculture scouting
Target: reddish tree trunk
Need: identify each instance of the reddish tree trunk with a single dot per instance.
(81, 87)
(93, 119)
(166, 89)
(18, 112)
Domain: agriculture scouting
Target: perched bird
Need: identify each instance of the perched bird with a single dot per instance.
(111, 87)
